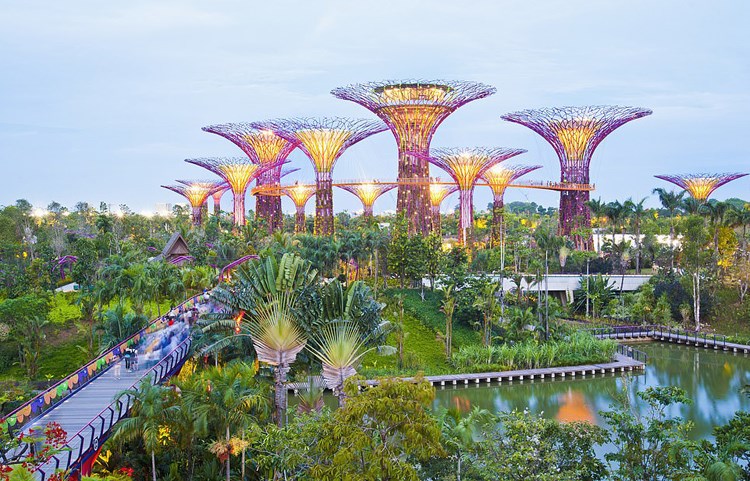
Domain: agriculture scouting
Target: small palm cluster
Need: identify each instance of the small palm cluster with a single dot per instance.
(272, 294)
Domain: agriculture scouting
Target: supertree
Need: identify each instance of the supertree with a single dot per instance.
(701, 186)
(498, 177)
(323, 140)
(238, 172)
(413, 110)
(438, 192)
(574, 133)
(300, 194)
(196, 192)
(263, 147)
(216, 196)
(367, 193)
(466, 165)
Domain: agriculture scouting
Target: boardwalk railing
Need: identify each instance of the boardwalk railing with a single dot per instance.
(632, 353)
(91, 436)
(660, 332)
(69, 385)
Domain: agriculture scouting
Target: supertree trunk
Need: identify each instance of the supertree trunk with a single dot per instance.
(275, 214)
(324, 204)
(575, 218)
(299, 220)
(367, 213)
(466, 217)
(498, 213)
(197, 215)
(437, 225)
(413, 198)
(239, 208)
(217, 206)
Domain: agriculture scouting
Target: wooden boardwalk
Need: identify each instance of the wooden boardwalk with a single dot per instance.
(664, 334)
(621, 364)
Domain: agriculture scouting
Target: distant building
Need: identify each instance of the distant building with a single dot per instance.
(163, 209)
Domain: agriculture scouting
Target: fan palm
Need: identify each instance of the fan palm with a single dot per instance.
(339, 347)
(277, 340)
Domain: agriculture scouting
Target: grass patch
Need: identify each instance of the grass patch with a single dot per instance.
(57, 360)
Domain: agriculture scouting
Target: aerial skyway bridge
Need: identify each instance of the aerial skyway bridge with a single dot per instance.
(84, 403)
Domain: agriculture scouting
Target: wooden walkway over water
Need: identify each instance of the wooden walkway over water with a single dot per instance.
(667, 334)
(621, 364)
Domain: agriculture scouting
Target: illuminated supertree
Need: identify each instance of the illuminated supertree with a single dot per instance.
(263, 147)
(367, 193)
(438, 193)
(300, 194)
(701, 186)
(498, 177)
(216, 196)
(413, 110)
(323, 140)
(574, 133)
(466, 165)
(196, 192)
(238, 173)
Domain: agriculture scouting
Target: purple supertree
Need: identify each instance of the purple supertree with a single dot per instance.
(238, 172)
(196, 192)
(263, 147)
(323, 140)
(413, 110)
(466, 165)
(498, 178)
(574, 133)
(701, 186)
(367, 193)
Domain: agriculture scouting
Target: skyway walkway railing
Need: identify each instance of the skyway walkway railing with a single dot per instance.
(88, 440)
(69, 385)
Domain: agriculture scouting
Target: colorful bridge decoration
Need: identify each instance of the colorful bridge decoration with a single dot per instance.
(50, 398)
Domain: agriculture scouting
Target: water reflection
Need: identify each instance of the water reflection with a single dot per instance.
(711, 378)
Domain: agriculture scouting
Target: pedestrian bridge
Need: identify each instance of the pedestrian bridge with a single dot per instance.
(84, 403)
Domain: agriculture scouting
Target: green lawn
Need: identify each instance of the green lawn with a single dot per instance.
(422, 321)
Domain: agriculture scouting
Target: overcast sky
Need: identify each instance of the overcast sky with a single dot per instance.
(102, 101)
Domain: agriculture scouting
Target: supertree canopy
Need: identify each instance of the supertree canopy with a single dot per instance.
(498, 177)
(701, 186)
(413, 110)
(263, 147)
(196, 192)
(574, 133)
(300, 194)
(323, 140)
(367, 193)
(466, 165)
(438, 192)
(238, 172)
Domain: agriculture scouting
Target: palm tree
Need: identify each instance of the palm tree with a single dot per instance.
(717, 214)
(339, 347)
(310, 398)
(636, 212)
(458, 431)
(691, 205)
(615, 212)
(277, 340)
(228, 398)
(672, 203)
(448, 307)
(487, 303)
(598, 210)
(740, 218)
(152, 407)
